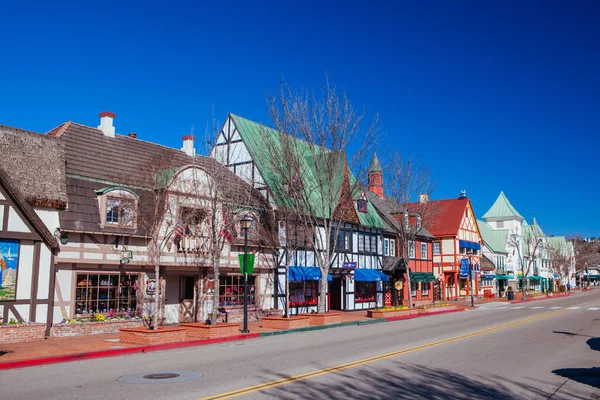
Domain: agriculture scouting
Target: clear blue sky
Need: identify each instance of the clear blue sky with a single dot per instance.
(493, 95)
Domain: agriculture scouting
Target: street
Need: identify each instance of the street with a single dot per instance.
(533, 350)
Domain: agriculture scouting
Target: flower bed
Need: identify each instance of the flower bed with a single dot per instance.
(391, 312)
(65, 329)
(199, 330)
(332, 317)
(22, 332)
(145, 336)
(437, 308)
(300, 321)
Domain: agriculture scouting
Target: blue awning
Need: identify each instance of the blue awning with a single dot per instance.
(488, 276)
(469, 245)
(369, 275)
(305, 274)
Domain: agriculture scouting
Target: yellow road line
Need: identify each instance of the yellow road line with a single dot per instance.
(296, 378)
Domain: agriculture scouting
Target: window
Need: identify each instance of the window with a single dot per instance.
(105, 293)
(424, 289)
(437, 248)
(424, 250)
(499, 224)
(414, 286)
(231, 290)
(487, 281)
(344, 241)
(392, 248)
(120, 211)
(386, 247)
(411, 249)
(304, 293)
(365, 291)
(418, 222)
(367, 243)
(362, 205)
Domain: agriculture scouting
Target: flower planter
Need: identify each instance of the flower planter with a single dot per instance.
(199, 330)
(145, 336)
(435, 309)
(19, 333)
(300, 321)
(332, 317)
(391, 313)
(93, 328)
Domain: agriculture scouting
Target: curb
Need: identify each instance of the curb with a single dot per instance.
(169, 346)
(119, 352)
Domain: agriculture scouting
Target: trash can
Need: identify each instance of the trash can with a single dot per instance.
(511, 295)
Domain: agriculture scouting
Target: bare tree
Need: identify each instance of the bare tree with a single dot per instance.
(409, 180)
(529, 245)
(309, 169)
(560, 258)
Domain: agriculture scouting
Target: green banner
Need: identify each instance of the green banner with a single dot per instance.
(250, 258)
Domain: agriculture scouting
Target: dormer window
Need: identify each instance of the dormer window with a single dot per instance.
(118, 207)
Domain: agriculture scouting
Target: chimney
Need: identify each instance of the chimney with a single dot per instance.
(106, 123)
(188, 145)
(376, 177)
(423, 198)
(132, 135)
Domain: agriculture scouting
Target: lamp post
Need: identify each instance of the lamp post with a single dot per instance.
(471, 281)
(245, 223)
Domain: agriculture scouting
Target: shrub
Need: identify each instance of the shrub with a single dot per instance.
(562, 288)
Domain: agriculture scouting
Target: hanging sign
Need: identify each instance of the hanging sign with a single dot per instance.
(349, 264)
(250, 266)
(151, 286)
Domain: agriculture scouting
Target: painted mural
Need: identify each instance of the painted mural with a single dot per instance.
(9, 260)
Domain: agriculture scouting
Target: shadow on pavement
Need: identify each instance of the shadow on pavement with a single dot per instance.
(587, 376)
(405, 381)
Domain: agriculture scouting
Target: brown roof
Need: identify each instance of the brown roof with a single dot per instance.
(94, 161)
(35, 165)
(28, 211)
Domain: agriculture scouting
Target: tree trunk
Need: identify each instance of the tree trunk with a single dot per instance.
(157, 293)
(409, 286)
(322, 307)
(287, 292)
(215, 306)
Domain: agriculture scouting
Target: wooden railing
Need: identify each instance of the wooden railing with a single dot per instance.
(194, 244)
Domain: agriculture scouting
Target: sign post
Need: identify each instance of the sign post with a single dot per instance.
(441, 280)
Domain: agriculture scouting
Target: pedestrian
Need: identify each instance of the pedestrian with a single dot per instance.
(568, 286)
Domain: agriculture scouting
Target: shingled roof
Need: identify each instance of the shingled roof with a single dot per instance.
(34, 165)
(502, 209)
(95, 161)
(448, 216)
(389, 209)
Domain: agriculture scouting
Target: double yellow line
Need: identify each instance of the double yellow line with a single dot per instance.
(301, 377)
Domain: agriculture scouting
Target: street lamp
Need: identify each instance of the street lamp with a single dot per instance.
(471, 281)
(245, 223)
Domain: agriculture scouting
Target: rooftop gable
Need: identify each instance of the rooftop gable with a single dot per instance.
(494, 239)
(502, 209)
(447, 216)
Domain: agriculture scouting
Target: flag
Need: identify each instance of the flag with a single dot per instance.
(179, 229)
(224, 232)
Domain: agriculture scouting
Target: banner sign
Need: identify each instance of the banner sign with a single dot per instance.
(349, 264)
(250, 259)
(464, 268)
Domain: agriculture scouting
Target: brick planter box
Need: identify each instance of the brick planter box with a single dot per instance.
(92, 328)
(286, 323)
(434, 309)
(198, 330)
(20, 333)
(145, 336)
(332, 317)
(391, 313)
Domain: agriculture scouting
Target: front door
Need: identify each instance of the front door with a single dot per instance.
(186, 298)
(335, 293)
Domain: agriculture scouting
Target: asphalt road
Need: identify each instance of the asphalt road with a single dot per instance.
(536, 350)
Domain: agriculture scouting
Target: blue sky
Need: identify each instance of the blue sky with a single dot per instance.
(492, 95)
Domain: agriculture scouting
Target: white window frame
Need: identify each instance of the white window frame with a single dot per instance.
(411, 249)
(439, 248)
(392, 247)
(423, 245)
(386, 246)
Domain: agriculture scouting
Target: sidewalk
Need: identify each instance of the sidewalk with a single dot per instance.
(62, 349)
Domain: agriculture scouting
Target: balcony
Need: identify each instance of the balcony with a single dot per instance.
(194, 244)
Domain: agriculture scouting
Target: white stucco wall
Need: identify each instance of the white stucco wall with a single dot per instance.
(15, 223)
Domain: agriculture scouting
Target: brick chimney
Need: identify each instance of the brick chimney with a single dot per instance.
(423, 198)
(132, 135)
(106, 123)
(188, 145)
(376, 177)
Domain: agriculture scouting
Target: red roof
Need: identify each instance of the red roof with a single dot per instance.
(443, 217)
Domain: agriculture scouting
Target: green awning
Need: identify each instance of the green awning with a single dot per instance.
(422, 277)
(535, 278)
(429, 277)
(505, 277)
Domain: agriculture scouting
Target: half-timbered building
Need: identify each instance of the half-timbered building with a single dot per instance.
(356, 280)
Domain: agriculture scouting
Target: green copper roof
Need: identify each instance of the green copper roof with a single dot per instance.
(494, 239)
(559, 244)
(254, 136)
(537, 229)
(375, 166)
(502, 209)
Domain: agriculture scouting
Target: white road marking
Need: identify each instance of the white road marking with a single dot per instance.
(535, 308)
(555, 308)
(593, 308)
(502, 308)
(574, 308)
(517, 308)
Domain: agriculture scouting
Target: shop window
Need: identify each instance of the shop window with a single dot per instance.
(423, 250)
(437, 248)
(105, 293)
(424, 289)
(365, 291)
(414, 286)
(487, 281)
(304, 293)
(231, 290)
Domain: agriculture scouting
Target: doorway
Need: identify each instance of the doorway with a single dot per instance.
(335, 294)
(186, 298)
